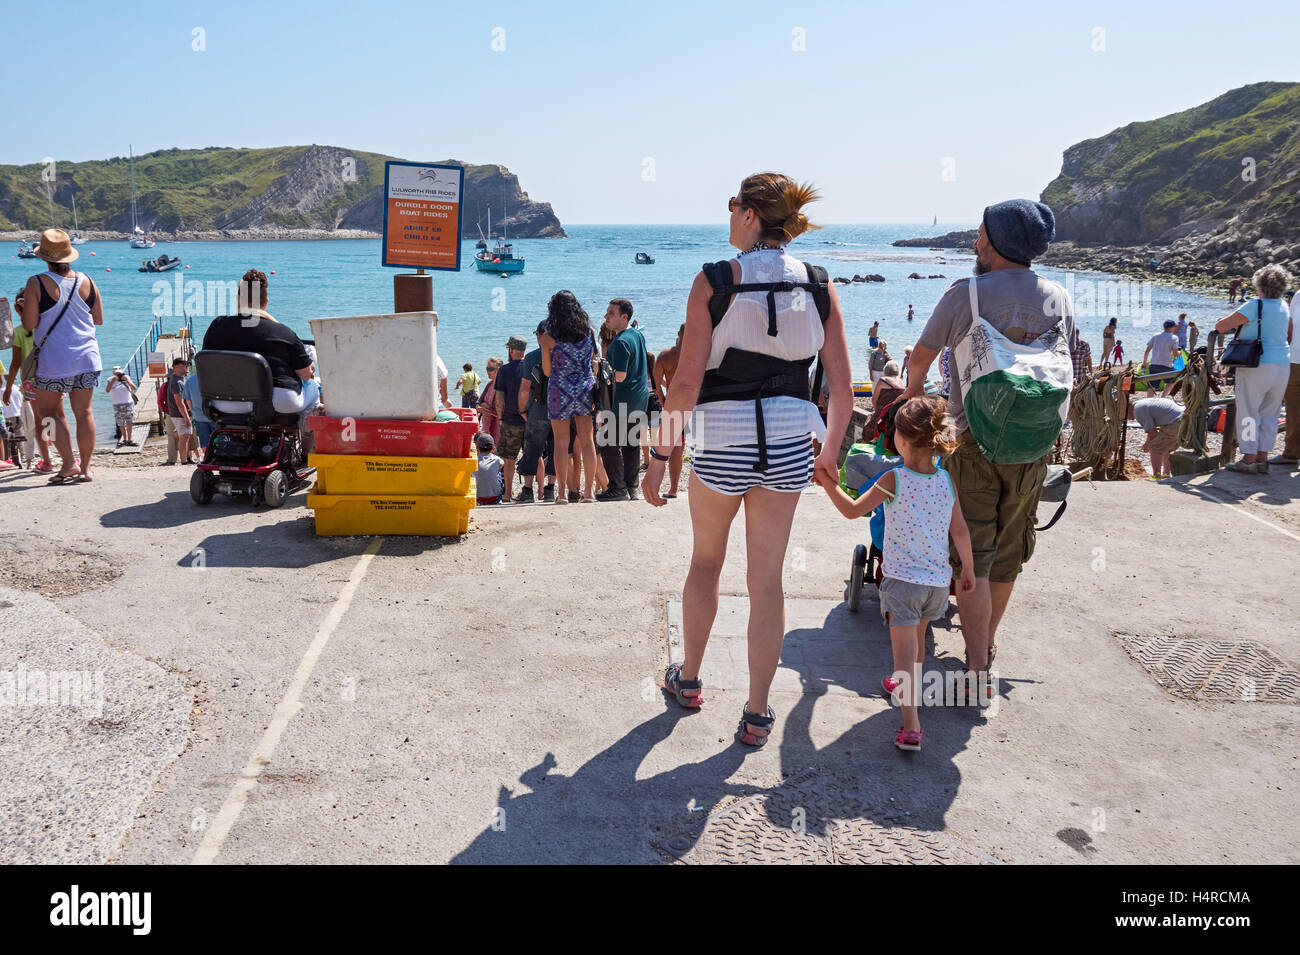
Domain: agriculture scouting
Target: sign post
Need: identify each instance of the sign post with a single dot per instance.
(422, 208)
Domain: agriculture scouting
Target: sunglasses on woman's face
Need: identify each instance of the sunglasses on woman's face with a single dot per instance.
(733, 204)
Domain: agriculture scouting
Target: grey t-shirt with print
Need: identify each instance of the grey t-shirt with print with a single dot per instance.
(1019, 303)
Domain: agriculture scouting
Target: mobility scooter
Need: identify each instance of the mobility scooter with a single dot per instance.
(255, 450)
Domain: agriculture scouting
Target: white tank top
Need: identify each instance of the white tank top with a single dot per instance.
(916, 528)
(799, 335)
(68, 348)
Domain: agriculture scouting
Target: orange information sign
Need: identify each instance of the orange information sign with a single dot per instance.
(422, 215)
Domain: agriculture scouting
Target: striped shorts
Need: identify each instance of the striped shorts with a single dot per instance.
(730, 470)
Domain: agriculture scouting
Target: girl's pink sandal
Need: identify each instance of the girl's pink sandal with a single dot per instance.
(908, 739)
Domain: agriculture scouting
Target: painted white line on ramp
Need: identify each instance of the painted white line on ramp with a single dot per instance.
(1232, 503)
(284, 712)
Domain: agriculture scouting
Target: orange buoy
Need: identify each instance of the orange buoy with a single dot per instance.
(187, 266)
(272, 271)
(92, 253)
(108, 270)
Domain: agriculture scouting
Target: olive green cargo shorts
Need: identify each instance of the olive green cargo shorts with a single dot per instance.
(1000, 505)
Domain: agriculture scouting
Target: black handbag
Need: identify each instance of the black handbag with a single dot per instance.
(1246, 353)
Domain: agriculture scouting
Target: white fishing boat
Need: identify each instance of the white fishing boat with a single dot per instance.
(138, 238)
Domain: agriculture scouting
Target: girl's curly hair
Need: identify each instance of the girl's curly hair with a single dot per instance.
(924, 422)
(566, 320)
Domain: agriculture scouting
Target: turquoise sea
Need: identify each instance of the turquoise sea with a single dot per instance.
(477, 312)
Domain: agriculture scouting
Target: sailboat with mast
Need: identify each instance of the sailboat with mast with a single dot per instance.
(76, 232)
(138, 238)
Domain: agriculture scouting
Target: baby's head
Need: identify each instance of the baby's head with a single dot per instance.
(484, 443)
(923, 423)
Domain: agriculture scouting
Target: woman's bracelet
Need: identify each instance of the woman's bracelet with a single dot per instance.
(654, 453)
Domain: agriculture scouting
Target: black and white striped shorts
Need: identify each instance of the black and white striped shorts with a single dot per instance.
(730, 470)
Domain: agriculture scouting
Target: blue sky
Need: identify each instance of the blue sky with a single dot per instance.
(584, 93)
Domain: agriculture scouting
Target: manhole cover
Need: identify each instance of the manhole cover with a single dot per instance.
(1202, 669)
(809, 820)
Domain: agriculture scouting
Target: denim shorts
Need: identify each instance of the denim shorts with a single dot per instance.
(89, 380)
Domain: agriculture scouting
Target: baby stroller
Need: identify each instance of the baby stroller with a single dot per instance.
(255, 450)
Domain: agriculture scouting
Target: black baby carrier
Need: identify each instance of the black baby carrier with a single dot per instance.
(745, 374)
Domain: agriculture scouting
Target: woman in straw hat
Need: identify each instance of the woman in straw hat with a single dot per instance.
(62, 307)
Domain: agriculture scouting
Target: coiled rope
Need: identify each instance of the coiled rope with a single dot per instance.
(1094, 415)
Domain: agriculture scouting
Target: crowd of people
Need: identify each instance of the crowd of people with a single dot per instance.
(577, 412)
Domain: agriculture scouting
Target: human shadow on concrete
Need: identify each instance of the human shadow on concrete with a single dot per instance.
(603, 813)
(1278, 488)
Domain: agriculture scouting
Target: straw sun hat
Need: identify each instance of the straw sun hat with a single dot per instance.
(56, 247)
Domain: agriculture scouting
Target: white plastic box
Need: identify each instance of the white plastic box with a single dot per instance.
(378, 366)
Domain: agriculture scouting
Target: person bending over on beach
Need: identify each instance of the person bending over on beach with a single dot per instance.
(998, 501)
(568, 355)
(921, 511)
(294, 388)
(745, 385)
(1160, 418)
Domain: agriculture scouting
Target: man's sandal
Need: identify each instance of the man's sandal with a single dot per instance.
(747, 719)
(675, 685)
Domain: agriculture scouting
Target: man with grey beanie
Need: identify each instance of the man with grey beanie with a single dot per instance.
(998, 501)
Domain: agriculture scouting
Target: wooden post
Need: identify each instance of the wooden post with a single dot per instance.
(413, 293)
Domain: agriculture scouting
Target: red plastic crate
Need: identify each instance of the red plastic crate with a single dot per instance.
(386, 436)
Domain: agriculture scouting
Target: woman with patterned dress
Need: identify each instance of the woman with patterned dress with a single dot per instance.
(568, 355)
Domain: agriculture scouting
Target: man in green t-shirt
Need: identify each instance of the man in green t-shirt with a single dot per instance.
(619, 435)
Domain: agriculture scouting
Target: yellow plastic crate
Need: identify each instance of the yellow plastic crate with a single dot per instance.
(435, 515)
(378, 475)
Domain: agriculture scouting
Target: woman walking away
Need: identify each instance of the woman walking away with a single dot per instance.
(62, 307)
(752, 425)
(568, 353)
(921, 510)
(1260, 389)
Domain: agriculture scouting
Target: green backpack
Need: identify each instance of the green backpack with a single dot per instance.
(1016, 396)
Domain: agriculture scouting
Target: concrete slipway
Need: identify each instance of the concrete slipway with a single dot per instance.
(493, 699)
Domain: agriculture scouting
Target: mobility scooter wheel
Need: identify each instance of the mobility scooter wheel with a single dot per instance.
(275, 488)
(200, 487)
(857, 576)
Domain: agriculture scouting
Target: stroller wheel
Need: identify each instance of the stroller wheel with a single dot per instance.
(275, 488)
(857, 577)
(200, 487)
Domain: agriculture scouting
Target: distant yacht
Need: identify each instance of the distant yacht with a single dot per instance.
(138, 239)
(76, 234)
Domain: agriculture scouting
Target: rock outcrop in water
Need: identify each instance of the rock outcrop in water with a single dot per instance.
(281, 192)
(951, 240)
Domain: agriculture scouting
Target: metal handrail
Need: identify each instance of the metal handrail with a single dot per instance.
(138, 363)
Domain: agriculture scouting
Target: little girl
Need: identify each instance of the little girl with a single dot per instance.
(921, 510)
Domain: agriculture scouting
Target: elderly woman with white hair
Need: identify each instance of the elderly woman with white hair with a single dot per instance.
(1260, 389)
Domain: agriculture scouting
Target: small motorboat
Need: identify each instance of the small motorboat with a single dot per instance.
(645, 258)
(26, 250)
(164, 263)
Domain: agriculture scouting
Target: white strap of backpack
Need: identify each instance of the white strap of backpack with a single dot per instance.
(974, 304)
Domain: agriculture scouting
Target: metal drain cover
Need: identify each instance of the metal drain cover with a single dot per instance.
(808, 820)
(1202, 669)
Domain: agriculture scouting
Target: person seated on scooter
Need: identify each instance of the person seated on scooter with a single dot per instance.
(294, 388)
